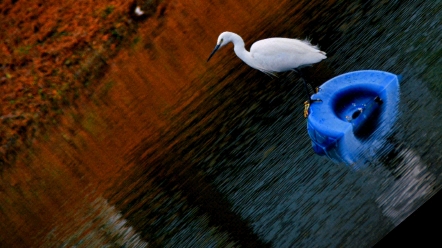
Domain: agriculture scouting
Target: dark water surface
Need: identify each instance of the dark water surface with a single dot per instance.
(236, 168)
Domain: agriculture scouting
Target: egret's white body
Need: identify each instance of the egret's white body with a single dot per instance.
(273, 54)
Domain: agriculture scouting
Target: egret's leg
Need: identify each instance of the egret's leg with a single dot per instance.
(309, 96)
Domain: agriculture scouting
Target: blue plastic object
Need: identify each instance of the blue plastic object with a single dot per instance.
(357, 111)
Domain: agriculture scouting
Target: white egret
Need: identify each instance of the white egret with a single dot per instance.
(273, 55)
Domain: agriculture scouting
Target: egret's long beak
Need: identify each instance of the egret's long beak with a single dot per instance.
(214, 51)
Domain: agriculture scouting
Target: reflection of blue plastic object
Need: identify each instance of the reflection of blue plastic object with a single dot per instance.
(356, 113)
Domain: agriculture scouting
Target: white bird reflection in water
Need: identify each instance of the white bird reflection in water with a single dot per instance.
(404, 194)
(97, 224)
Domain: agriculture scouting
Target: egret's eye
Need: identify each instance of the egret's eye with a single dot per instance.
(221, 41)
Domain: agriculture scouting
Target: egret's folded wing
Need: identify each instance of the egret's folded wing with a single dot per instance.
(281, 54)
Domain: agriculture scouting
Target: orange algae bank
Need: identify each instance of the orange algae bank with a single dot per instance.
(84, 83)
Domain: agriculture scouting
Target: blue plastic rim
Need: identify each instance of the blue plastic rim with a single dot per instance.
(357, 111)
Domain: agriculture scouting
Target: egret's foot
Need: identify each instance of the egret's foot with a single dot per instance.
(317, 89)
(306, 108)
(307, 105)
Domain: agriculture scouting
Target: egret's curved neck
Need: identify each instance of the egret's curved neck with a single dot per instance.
(240, 50)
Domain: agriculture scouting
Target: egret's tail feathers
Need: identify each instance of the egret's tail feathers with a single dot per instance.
(307, 41)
